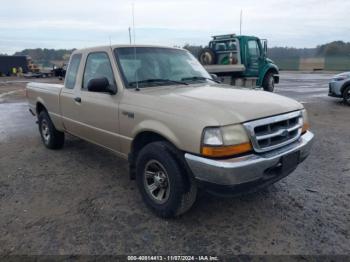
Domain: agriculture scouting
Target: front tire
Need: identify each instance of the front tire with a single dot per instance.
(346, 95)
(162, 181)
(51, 137)
(269, 82)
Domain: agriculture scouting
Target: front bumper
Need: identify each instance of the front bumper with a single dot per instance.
(335, 89)
(248, 169)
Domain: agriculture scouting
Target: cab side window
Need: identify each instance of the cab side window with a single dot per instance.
(253, 48)
(97, 66)
(72, 71)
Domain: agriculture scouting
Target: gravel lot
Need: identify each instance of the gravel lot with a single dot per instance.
(80, 200)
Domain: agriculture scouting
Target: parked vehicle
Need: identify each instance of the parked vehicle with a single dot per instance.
(9, 63)
(240, 61)
(159, 108)
(44, 73)
(340, 87)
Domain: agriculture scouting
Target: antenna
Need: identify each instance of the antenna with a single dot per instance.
(133, 21)
(240, 22)
(133, 27)
(110, 41)
(129, 35)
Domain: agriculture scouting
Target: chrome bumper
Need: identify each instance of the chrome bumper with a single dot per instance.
(249, 168)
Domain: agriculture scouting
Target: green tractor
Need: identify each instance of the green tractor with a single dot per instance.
(240, 61)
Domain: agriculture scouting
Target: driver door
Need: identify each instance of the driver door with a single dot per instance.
(97, 111)
(253, 57)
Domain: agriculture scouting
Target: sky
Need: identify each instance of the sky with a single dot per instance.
(84, 23)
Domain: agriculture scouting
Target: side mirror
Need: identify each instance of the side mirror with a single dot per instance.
(215, 78)
(265, 47)
(100, 85)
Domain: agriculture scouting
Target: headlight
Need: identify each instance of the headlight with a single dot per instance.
(212, 137)
(306, 125)
(225, 141)
(341, 77)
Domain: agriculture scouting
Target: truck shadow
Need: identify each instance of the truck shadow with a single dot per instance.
(112, 174)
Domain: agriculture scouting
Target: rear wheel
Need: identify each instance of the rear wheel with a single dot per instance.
(269, 82)
(162, 182)
(207, 57)
(51, 137)
(346, 95)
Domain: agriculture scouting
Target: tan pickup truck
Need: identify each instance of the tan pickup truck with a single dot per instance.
(180, 130)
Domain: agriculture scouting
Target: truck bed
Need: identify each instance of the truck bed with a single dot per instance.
(214, 69)
(46, 94)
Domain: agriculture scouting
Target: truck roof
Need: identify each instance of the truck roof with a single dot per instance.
(98, 48)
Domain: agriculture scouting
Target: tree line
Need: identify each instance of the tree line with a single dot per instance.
(44, 56)
(337, 48)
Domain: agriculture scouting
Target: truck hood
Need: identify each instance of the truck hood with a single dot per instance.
(344, 74)
(213, 104)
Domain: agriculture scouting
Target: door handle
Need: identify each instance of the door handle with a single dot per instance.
(77, 99)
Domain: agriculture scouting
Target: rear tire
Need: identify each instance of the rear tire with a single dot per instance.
(51, 137)
(162, 181)
(269, 82)
(346, 95)
(207, 57)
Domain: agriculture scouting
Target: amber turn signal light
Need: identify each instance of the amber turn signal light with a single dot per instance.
(223, 151)
(305, 128)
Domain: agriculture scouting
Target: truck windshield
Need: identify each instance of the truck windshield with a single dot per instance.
(155, 66)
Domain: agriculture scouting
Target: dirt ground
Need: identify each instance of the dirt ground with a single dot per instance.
(80, 200)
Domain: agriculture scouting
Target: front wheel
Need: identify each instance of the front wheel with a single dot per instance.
(269, 82)
(346, 95)
(163, 184)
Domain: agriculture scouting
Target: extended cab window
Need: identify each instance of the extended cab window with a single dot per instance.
(97, 66)
(72, 71)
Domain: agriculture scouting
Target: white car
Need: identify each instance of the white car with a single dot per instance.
(340, 87)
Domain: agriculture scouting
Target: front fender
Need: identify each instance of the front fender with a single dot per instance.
(39, 100)
(267, 68)
(159, 128)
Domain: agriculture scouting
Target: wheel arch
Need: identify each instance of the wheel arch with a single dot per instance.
(40, 106)
(57, 121)
(146, 137)
(345, 85)
(268, 69)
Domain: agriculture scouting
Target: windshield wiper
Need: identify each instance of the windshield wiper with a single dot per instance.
(157, 80)
(194, 78)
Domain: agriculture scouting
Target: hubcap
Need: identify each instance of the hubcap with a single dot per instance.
(272, 82)
(156, 182)
(45, 131)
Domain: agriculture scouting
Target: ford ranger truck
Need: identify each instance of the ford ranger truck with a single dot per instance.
(159, 109)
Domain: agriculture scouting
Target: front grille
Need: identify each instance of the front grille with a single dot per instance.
(274, 132)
